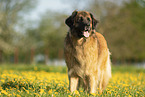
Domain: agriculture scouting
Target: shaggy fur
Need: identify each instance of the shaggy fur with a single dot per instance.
(87, 58)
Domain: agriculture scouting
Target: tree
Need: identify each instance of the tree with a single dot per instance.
(123, 25)
(49, 35)
(124, 31)
(11, 12)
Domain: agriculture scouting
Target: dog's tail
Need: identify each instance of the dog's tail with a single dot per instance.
(105, 74)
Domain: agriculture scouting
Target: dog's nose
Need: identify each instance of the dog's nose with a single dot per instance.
(86, 24)
(87, 28)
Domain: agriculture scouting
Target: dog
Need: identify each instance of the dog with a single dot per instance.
(86, 54)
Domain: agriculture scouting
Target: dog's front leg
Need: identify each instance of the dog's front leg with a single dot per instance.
(92, 84)
(73, 83)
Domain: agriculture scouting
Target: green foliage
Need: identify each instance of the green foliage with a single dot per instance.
(124, 31)
(49, 34)
(10, 15)
(16, 84)
(122, 24)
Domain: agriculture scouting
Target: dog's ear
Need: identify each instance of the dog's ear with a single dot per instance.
(70, 20)
(94, 21)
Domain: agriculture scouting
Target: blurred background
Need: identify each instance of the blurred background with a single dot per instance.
(33, 31)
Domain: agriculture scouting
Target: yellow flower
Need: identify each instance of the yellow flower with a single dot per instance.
(129, 96)
(1, 88)
(93, 94)
(9, 95)
(137, 92)
(8, 83)
(69, 96)
(4, 92)
(2, 80)
(41, 91)
(18, 90)
(50, 91)
(23, 88)
(18, 95)
(36, 94)
(56, 93)
(17, 86)
(41, 84)
(109, 92)
(76, 92)
(27, 91)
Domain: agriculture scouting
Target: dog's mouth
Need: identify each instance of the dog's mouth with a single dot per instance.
(86, 33)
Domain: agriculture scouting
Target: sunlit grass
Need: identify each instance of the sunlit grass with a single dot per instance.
(37, 82)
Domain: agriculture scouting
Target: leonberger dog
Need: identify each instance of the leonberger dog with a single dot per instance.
(86, 54)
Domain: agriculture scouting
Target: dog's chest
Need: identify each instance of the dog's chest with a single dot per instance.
(86, 53)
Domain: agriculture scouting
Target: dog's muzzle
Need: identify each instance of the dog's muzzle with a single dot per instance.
(84, 31)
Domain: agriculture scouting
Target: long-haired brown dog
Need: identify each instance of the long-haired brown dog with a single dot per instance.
(86, 53)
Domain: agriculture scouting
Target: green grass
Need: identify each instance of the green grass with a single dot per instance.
(63, 69)
(127, 68)
(23, 67)
(48, 81)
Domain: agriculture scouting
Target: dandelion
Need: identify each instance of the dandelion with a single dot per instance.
(81, 90)
(2, 80)
(18, 95)
(29, 82)
(8, 83)
(36, 94)
(129, 96)
(50, 91)
(137, 92)
(4, 92)
(76, 92)
(27, 91)
(41, 84)
(69, 96)
(41, 91)
(93, 94)
(109, 92)
(19, 91)
(56, 93)
(141, 90)
(17, 86)
(0, 88)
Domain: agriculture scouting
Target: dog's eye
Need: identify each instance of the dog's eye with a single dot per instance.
(88, 18)
(80, 19)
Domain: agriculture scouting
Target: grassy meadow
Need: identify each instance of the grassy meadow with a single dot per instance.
(51, 81)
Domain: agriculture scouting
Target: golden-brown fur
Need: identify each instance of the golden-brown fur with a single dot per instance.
(88, 61)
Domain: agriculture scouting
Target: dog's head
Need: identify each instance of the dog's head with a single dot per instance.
(81, 23)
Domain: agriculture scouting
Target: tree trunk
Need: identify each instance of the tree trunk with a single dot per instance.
(16, 55)
(32, 55)
(1, 56)
(60, 54)
(46, 56)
